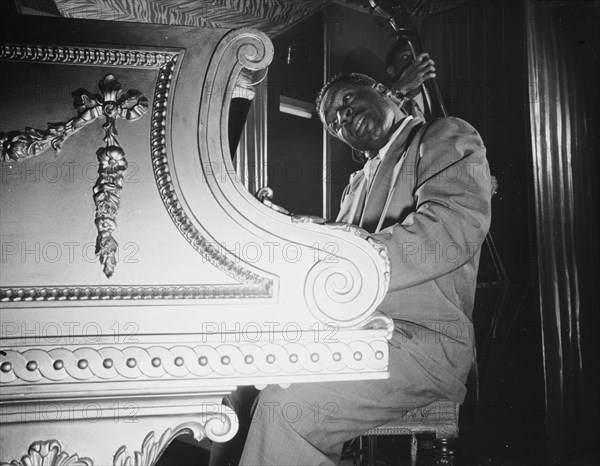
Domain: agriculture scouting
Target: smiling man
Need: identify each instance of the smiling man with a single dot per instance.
(425, 193)
(360, 112)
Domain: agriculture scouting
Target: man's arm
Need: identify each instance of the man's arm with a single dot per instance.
(421, 69)
(453, 207)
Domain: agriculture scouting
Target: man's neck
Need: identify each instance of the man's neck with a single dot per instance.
(390, 134)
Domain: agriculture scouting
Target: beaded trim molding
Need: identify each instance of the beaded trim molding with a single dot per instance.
(252, 285)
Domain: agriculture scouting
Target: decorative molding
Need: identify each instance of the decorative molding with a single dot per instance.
(112, 104)
(333, 290)
(21, 145)
(252, 283)
(49, 453)
(320, 351)
(352, 229)
(151, 449)
(218, 427)
(86, 56)
(265, 195)
(130, 293)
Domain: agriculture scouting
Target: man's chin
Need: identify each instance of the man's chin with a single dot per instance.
(359, 146)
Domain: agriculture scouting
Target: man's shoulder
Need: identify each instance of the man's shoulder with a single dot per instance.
(450, 127)
(446, 141)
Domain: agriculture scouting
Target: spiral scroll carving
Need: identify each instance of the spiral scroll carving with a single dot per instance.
(222, 426)
(256, 51)
(375, 244)
(334, 291)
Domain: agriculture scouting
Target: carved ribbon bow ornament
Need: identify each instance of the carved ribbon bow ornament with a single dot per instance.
(129, 106)
(112, 103)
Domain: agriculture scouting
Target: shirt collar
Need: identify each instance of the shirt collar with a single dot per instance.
(385, 148)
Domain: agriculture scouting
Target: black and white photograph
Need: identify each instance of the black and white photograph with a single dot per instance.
(299, 232)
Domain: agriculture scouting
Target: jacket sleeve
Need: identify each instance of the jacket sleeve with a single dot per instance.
(452, 206)
(340, 215)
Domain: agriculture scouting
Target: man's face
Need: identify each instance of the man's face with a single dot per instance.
(402, 59)
(359, 115)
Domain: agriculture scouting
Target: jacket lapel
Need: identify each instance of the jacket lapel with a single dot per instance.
(353, 200)
(377, 196)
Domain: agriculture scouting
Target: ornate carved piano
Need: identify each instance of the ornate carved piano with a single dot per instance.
(140, 281)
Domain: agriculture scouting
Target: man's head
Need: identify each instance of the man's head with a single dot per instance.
(399, 57)
(359, 111)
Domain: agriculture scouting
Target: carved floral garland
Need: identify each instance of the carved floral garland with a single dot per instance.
(112, 104)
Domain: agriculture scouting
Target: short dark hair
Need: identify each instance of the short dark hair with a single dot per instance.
(344, 78)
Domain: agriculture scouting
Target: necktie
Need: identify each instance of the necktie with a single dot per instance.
(371, 169)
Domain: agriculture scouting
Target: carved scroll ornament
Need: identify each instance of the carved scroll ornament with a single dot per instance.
(218, 426)
(112, 104)
(49, 453)
(151, 450)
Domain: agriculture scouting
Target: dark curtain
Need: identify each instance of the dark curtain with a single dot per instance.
(525, 74)
(479, 51)
(563, 62)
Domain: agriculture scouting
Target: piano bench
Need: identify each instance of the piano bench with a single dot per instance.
(439, 418)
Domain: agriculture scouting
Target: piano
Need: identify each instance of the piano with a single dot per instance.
(140, 280)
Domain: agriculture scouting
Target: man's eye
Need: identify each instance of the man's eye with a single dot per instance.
(333, 126)
(346, 99)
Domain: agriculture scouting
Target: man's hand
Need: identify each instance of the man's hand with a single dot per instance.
(417, 72)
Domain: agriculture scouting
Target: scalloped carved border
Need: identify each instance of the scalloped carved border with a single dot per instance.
(252, 285)
(325, 353)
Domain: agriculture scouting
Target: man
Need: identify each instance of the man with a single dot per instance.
(406, 75)
(428, 201)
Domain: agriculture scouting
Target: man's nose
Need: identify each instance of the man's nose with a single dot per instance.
(344, 115)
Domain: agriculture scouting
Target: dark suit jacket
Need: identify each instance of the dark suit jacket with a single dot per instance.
(430, 204)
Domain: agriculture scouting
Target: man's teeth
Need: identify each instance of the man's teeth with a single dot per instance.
(358, 123)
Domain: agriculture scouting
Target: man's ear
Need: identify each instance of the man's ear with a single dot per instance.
(383, 90)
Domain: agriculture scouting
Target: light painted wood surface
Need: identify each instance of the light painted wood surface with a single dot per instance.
(211, 289)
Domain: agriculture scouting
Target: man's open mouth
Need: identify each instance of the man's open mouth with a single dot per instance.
(359, 124)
